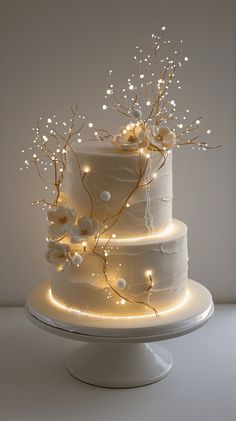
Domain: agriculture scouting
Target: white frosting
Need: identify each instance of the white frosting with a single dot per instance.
(164, 255)
(116, 172)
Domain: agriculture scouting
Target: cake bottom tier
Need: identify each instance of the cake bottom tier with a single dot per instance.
(137, 277)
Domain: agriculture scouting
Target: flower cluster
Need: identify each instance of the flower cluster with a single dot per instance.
(141, 135)
(64, 226)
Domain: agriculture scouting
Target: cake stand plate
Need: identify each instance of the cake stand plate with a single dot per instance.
(118, 352)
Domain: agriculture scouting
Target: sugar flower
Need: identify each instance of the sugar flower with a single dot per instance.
(162, 138)
(57, 254)
(61, 219)
(86, 227)
(133, 136)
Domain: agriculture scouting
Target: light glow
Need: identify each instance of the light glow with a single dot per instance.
(171, 228)
(63, 307)
(148, 273)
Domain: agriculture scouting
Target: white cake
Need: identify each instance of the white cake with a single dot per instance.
(146, 258)
(114, 248)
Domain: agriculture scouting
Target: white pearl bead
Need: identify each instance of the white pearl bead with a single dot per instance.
(121, 283)
(77, 259)
(105, 196)
(137, 113)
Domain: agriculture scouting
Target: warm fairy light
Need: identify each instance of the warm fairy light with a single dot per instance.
(104, 107)
(127, 205)
(90, 125)
(154, 175)
(86, 170)
(148, 273)
(161, 313)
(148, 155)
(113, 235)
(122, 301)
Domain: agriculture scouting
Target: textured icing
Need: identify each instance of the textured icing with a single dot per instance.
(117, 171)
(164, 254)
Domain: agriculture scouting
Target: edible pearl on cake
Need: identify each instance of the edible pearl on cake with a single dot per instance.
(105, 196)
(77, 259)
(121, 283)
(136, 113)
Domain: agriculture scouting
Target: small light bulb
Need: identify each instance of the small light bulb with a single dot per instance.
(148, 273)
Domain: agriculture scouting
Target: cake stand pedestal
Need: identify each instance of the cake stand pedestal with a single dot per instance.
(118, 353)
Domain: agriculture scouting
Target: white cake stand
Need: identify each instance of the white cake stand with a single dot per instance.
(118, 352)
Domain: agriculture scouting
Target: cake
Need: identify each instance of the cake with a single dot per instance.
(115, 249)
(148, 244)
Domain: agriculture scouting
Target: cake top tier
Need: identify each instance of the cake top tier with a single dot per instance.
(129, 193)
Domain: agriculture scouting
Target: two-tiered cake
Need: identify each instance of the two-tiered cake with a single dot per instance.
(141, 247)
(111, 237)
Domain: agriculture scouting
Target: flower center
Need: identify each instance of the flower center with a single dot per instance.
(132, 138)
(84, 232)
(63, 220)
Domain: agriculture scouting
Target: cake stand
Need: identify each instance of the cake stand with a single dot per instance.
(118, 352)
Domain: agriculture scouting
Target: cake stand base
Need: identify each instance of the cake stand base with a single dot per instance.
(119, 365)
(117, 352)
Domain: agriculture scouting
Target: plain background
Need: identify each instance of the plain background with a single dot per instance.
(56, 53)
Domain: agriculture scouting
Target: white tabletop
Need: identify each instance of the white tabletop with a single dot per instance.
(35, 386)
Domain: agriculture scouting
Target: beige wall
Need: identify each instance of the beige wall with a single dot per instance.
(56, 53)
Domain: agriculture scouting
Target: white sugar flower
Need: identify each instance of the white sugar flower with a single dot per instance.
(162, 138)
(61, 219)
(86, 227)
(132, 137)
(57, 254)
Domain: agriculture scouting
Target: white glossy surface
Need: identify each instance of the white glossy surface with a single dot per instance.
(104, 362)
(120, 365)
(193, 312)
(35, 385)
